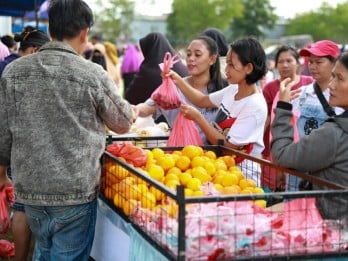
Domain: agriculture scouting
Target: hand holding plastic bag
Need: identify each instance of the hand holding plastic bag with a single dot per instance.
(6, 198)
(166, 95)
(184, 132)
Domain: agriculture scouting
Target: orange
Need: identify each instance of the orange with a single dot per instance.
(159, 195)
(210, 154)
(230, 190)
(201, 174)
(120, 172)
(184, 178)
(229, 180)
(192, 151)
(109, 193)
(174, 170)
(157, 153)
(129, 206)
(183, 162)
(209, 167)
(197, 161)
(156, 172)
(148, 200)
(166, 162)
(229, 160)
(194, 184)
(118, 200)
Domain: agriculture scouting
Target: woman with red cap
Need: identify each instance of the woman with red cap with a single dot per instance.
(312, 102)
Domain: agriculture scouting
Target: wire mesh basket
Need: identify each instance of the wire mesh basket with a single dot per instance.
(227, 223)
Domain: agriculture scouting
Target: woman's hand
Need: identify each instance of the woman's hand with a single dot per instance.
(190, 112)
(285, 93)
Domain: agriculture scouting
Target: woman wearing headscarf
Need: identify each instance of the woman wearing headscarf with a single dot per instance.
(153, 46)
(112, 62)
(222, 44)
(130, 64)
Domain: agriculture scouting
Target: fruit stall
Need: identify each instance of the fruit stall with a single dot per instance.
(207, 203)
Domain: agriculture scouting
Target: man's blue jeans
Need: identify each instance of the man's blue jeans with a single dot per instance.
(63, 232)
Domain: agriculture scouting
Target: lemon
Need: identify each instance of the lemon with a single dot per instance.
(156, 172)
(198, 193)
(201, 174)
(210, 154)
(260, 202)
(197, 161)
(129, 206)
(157, 153)
(209, 167)
(188, 192)
(183, 162)
(184, 178)
(194, 184)
(174, 170)
(192, 151)
(148, 200)
(118, 200)
(166, 162)
(159, 195)
(229, 180)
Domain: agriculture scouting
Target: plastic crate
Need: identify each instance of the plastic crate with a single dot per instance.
(226, 227)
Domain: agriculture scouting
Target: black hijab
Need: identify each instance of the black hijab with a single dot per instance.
(219, 38)
(153, 47)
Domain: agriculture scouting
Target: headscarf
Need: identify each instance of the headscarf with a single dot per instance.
(98, 55)
(219, 38)
(4, 51)
(111, 52)
(131, 60)
(153, 46)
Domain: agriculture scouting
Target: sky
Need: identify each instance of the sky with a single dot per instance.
(284, 8)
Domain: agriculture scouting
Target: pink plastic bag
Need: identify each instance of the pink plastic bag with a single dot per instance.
(6, 248)
(6, 198)
(166, 95)
(184, 132)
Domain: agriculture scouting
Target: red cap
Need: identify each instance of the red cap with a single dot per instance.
(321, 48)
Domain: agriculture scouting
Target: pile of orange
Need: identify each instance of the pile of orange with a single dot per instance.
(191, 167)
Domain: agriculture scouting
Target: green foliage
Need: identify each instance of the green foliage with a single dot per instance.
(190, 17)
(114, 18)
(325, 23)
(257, 16)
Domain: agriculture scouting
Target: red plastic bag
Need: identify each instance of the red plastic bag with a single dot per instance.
(6, 198)
(184, 132)
(6, 248)
(131, 153)
(166, 95)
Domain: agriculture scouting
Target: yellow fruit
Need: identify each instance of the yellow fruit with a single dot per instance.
(133, 192)
(156, 172)
(258, 190)
(229, 180)
(194, 184)
(210, 154)
(166, 162)
(129, 206)
(229, 161)
(159, 195)
(121, 172)
(177, 152)
(188, 192)
(217, 178)
(197, 161)
(148, 200)
(157, 153)
(201, 174)
(230, 190)
(198, 193)
(183, 162)
(172, 183)
(209, 167)
(192, 151)
(218, 187)
(171, 176)
(220, 165)
(174, 170)
(262, 203)
(184, 178)
(118, 200)
(243, 183)
(109, 193)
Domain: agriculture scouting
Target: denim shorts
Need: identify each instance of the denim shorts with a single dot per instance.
(63, 232)
(16, 206)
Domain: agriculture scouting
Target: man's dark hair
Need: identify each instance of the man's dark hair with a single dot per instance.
(67, 18)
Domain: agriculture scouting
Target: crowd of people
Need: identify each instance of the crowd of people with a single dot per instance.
(60, 92)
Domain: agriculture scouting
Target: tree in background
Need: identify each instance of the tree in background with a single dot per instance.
(257, 15)
(189, 18)
(325, 23)
(114, 18)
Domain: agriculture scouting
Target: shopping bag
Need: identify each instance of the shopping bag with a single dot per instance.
(6, 198)
(131, 153)
(6, 248)
(184, 132)
(166, 95)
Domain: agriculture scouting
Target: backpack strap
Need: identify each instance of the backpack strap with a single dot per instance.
(327, 108)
